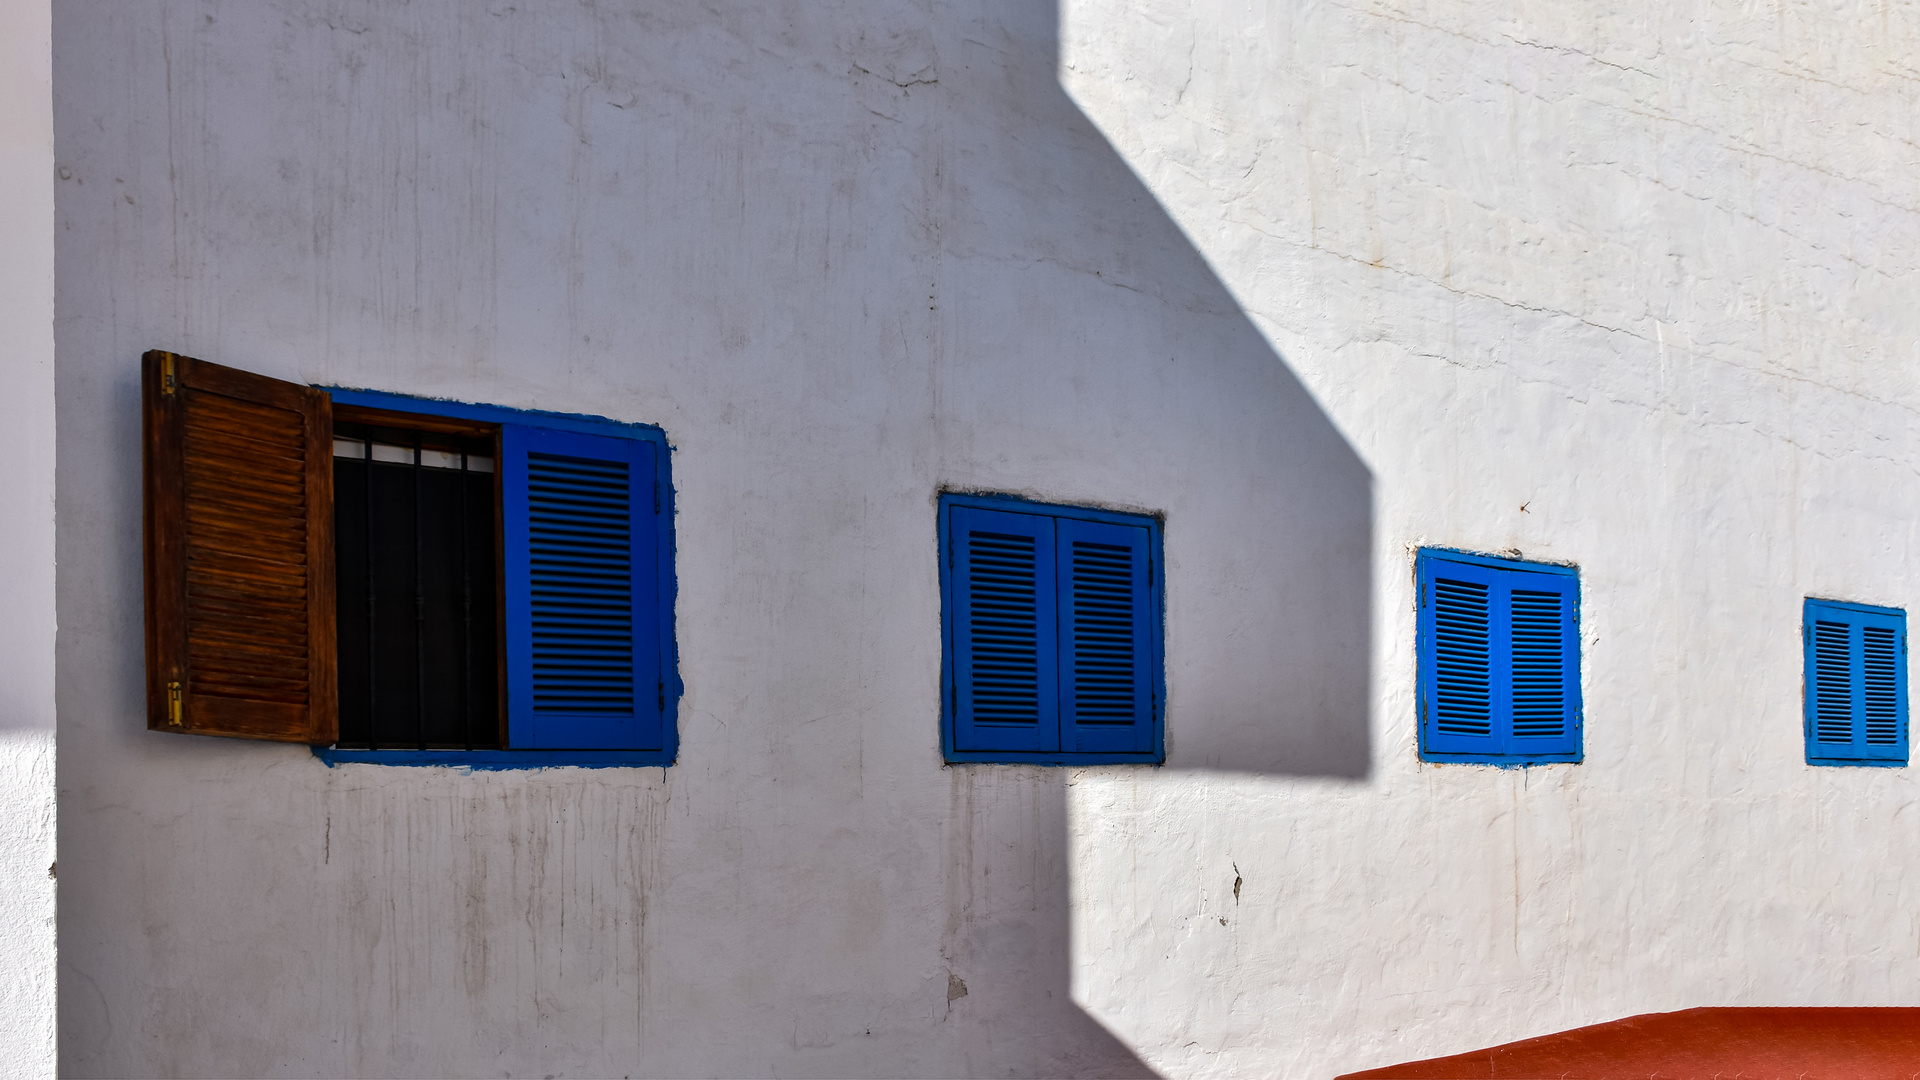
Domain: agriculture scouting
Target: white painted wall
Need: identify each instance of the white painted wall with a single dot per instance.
(1647, 270)
(1647, 274)
(26, 541)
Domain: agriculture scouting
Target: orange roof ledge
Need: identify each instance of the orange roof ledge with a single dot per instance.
(1698, 1044)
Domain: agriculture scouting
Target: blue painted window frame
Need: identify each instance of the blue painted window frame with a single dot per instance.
(1858, 618)
(1500, 576)
(1145, 744)
(665, 588)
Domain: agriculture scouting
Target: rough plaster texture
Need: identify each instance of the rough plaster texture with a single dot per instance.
(1630, 285)
(1647, 276)
(26, 542)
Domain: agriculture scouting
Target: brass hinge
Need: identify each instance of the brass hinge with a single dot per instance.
(175, 708)
(167, 388)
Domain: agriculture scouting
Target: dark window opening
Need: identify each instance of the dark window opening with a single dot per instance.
(415, 520)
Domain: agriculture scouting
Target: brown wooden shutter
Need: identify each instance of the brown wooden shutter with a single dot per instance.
(239, 538)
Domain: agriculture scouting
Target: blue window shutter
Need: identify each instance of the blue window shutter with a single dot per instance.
(1106, 637)
(584, 663)
(1005, 634)
(1499, 660)
(1832, 684)
(1459, 657)
(1856, 683)
(1544, 651)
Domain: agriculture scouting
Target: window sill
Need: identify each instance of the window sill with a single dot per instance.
(977, 757)
(1871, 763)
(494, 760)
(1502, 761)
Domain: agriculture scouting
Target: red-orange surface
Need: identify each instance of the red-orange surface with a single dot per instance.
(1698, 1044)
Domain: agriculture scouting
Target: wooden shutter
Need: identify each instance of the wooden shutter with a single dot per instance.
(585, 669)
(1107, 630)
(1856, 683)
(1005, 634)
(239, 553)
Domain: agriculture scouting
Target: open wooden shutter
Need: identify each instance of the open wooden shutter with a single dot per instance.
(585, 664)
(239, 553)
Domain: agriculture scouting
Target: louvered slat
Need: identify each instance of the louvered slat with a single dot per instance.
(1462, 658)
(1105, 671)
(1003, 632)
(246, 543)
(1879, 660)
(1833, 682)
(1539, 664)
(580, 543)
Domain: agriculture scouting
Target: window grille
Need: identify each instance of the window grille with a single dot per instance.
(414, 527)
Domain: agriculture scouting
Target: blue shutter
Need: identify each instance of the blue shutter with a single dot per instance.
(584, 665)
(1544, 657)
(1856, 683)
(1499, 660)
(1106, 637)
(1004, 627)
(1458, 646)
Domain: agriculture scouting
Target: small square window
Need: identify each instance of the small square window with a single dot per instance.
(1856, 683)
(1050, 617)
(1499, 660)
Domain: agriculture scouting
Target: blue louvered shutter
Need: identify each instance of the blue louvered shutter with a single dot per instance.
(584, 664)
(1499, 662)
(1458, 607)
(1543, 651)
(1856, 683)
(1005, 638)
(1106, 637)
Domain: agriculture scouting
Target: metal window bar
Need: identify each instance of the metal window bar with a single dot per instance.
(419, 610)
(373, 698)
(452, 622)
(466, 614)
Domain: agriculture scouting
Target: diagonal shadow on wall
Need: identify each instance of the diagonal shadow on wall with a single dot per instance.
(1177, 402)
(484, 197)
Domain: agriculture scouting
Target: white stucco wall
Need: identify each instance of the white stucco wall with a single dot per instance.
(26, 542)
(1319, 285)
(1627, 285)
